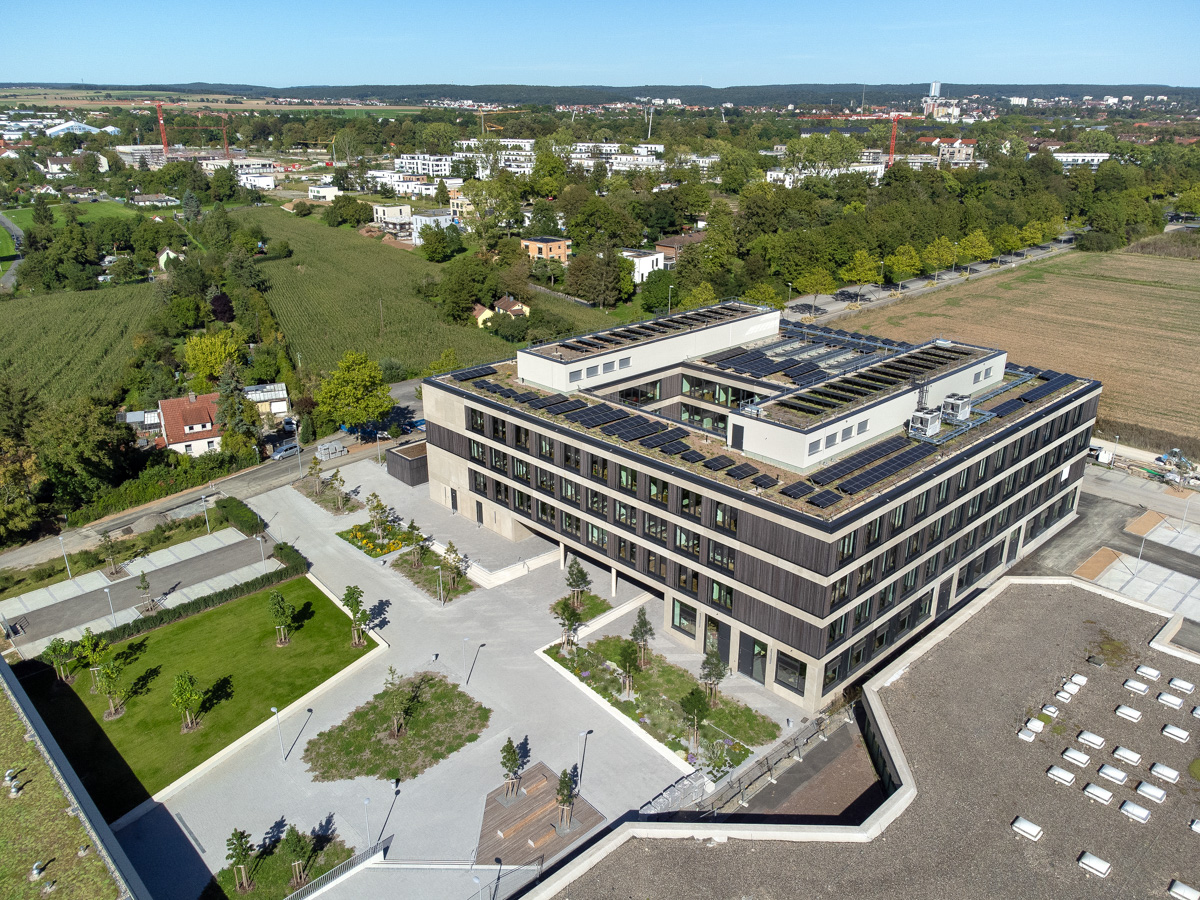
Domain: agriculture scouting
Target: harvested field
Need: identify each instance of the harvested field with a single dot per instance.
(1131, 321)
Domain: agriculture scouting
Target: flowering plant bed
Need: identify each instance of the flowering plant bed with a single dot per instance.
(367, 539)
(726, 736)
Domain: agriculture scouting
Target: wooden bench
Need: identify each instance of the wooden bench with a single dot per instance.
(535, 783)
(543, 836)
(508, 830)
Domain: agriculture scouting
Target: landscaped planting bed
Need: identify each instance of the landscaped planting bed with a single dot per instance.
(426, 576)
(366, 539)
(726, 737)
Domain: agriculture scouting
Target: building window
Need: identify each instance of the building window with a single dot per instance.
(571, 457)
(627, 479)
(545, 447)
(687, 541)
(790, 673)
(886, 597)
(862, 426)
(847, 433)
(689, 503)
(943, 491)
(978, 376)
(898, 517)
(933, 533)
(830, 440)
(545, 480)
(931, 567)
(187, 448)
(499, 460)
(845, 547)
(546, 512)
(831, 673)
(593, 371)
(912, 546)
(570, 523)
(597, 537)
(609, 366)
(475, 420)
(627, 550)
(660, 491)
(814, 447)
(862, 613)
(476, 451)
(840, 591)
(625, 362)
(721, 556)
(688, 580)
(683, 618)
(856, 656)
(910, 580)
(500, 430)
(721, 595)
(600, 468)
(866, 574)
(625, 515)
(656, 565)
(478, 483)
(922, 505)
(964, 478)
(889, 561)
(655, 528)
(522, 502)
(875, 532)
(521, 437)
(881, 639)
(521, 470)
(925, 607)
(727, 518)
(598, 504)
(501, 492)
(569, 491)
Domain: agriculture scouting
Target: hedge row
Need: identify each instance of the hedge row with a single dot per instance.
(294, 563)
(240, 516)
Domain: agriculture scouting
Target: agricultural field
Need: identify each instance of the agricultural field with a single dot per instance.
(23, 217)
(1131, 321)
(71, 343)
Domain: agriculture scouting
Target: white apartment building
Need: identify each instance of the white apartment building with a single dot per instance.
(423, 164)
(1071, 160)
(644, 263)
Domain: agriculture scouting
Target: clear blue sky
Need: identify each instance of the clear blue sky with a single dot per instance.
(617, 42)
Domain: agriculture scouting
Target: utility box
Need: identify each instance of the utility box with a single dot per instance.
(409, 463)
(956, 407)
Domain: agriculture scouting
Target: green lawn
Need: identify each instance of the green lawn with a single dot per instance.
(8, 250)
(71, 343)
(231, 651)
(22, 217)
(271, 872)
(427, 577)
(36, 826)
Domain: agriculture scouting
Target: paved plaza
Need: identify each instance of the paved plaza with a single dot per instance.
(1155, 585)
(493, 634)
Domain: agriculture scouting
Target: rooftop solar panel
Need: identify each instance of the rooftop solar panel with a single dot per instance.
(724, 354)
(765, 481)
(476, 372)
(664, 437)
(560, 409)
(718, 462)
(692, 456)
(547, 401)
(526, 397)
(796, 489)
(1045, 390)
(745, 470)
(825, 499)
(884, 470)
(643, 430)
(844, 467)
(673, 448)
(1007, 407)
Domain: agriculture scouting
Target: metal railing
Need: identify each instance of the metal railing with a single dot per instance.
(339, 870)
(508, 883)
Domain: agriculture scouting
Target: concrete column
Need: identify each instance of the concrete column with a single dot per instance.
(613, 590)
(562, 555)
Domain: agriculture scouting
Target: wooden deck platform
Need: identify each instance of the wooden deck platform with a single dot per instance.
(524, 830)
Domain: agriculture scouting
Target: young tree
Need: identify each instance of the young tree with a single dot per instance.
(111, 684)
(191, 206)
(627, 661)
(701, 295)
(569, 617)
(815, 281)
(712, 671)
(510, 762)
(352, 600)
(441, 196)
(207, 354)
(938, 255)
(60, 653)
(1031, 235)
(185, 697)
(338, 484)
(762, 294)
(108, 551)
(641, 634)
(399, 702)
(42, 213)
(314, 472)
(695, 708)
(455, 563)
(903, 263)
(862, 269)
(238, 853)
(566, 797)
(296, 847)
(144, 586)
(417, 543)
(90, 650)
(355, 393)
(578, 580)
(379, 514)
(283, 614)
(974, 247)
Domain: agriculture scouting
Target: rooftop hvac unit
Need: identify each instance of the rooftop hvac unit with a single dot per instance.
(956, 407)
(925, 422)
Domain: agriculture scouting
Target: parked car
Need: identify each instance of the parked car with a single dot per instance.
(286, 451)
(289, 425)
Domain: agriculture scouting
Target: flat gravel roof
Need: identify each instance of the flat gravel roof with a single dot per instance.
(956, 711)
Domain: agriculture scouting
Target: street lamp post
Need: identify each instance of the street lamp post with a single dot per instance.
(1115, 447)
(789, 294)
(583, 736)
(262, 551)
(479, 893)
(1139, 562)
(282, 754)
(465, 640)
(204, 503)
(66, 561)
(1186, 505)
(670, 287)
(110, 607)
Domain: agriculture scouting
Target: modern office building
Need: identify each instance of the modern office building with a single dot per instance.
(805, 500)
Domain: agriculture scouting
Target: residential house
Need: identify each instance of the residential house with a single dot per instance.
(644, 262)
(670, 247)
(512, 306)
(323, 192)
(1071, 160)
(481, 314)
(460, 208)
(190, 425)
(271, 400)
(547, 248)
(391, 216)
(165, 255)
(423, 164)
(256, 182)
(430, 217)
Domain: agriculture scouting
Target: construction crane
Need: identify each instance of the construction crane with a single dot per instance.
(893, 117)
(162, 128)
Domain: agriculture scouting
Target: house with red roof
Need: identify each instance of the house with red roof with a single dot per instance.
(189, 424)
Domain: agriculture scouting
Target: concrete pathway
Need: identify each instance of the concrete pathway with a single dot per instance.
(1175, 534)
(489, 635)
(9, 278)
(1155, 585)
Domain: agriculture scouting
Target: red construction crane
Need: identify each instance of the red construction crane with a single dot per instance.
(894, 117)
(162, 128)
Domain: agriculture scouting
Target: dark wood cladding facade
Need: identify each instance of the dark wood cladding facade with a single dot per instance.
(451, 441)
(787, 543)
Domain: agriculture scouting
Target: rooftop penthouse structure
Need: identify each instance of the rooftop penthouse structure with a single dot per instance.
(805, 500)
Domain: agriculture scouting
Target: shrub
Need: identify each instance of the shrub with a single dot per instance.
(240, 516)
(1099, 242)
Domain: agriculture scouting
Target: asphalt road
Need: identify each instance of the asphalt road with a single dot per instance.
(125, 594)
(9, 278)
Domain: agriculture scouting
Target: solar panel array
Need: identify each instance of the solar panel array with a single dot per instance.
(718, 462)
(545, 402)
(477, 372)
(561, 409)
(765, 481)
(633, 429)
(1007, 407)
(825, 499)
(594, 416)
(796, 490)
(745, 470)
(664, 437)
(1058, 382)
(884, 470)
(858, 460)
(692, 456)
(673, 448)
